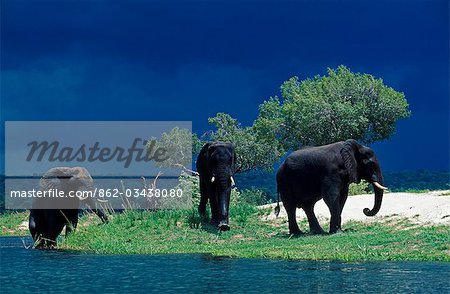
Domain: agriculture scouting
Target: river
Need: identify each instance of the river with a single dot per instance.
(50, 271)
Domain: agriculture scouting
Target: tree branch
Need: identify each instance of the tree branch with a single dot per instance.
(192, 172)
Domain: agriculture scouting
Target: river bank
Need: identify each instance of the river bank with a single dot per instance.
(255, 233)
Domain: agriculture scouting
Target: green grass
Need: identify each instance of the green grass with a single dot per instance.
(180, 231)
(11, 224)
(143, 232)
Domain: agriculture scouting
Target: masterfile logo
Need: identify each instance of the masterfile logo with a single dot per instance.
(121, 159)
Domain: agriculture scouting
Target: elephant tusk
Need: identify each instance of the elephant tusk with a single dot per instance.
(213, 179)
(232, 181)
(379, 186)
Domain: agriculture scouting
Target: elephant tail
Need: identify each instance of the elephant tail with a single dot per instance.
(277, 208)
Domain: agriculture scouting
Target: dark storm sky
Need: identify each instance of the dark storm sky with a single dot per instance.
(150, 60)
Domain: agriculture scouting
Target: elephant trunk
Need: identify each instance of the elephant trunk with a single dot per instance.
(223, 207)
(223, 194)
(377, 183)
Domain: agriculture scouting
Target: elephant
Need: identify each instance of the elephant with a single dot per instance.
(48, 216)
(312, 173)
(216, 165)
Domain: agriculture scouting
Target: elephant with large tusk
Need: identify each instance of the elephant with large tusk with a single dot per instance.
(312, 173)
(216, 165)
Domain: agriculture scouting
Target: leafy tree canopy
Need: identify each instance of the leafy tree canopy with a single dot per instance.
(335, 107)
(252, 150)
(179, 144)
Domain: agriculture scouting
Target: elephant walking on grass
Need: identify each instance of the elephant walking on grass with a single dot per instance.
(48, 216)
(312, 173)
(216, 165)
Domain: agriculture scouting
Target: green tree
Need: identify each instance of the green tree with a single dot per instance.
(335, 107)
(252, 151)
(180, 145)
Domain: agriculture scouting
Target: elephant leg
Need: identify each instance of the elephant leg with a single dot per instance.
(203, 200)
(55, 222)
(335, 222)
(33, 227)
(331, 192)
(293, 226)
(335, 211)
(331, 196)
(314, 225)
(214, 210)
(36, 225)
(343, 197)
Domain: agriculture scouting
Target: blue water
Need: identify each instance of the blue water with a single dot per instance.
(34, 271)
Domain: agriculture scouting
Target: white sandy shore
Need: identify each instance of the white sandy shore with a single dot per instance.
(432, 208)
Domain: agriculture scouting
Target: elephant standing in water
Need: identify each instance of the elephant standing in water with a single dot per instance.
(48, 216)
(326, 171)
(216, 165)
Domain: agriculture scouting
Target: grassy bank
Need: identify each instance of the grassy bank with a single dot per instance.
(14, 224)
(145, 232)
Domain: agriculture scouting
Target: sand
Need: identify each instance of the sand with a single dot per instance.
(431, 208)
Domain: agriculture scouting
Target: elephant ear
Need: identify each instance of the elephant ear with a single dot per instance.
(348, 156)
(234, 160)
(231, 149)
(210, 149)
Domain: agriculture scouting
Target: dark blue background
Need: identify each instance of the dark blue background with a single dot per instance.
(150, 60)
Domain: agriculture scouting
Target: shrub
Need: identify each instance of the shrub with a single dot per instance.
(190, 184)
(358, 189)
(254, 197)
